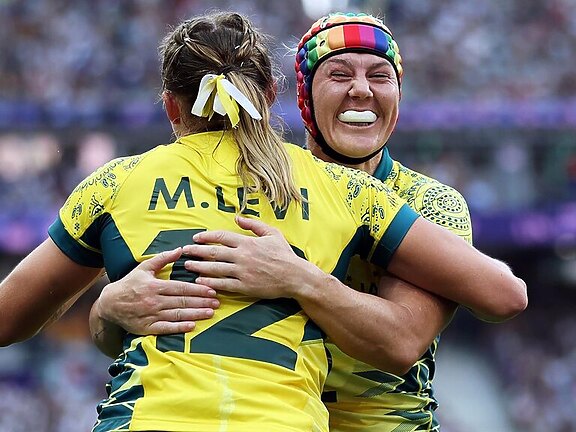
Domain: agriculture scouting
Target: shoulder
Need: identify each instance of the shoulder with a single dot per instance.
(100, 187)
(117, 167)
(108, 178)
(439, 203)
(421, 190)
(298, 152)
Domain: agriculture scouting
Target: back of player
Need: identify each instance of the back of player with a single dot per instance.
(360, 398)
(259, 364)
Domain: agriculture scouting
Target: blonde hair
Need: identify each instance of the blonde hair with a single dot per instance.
(227, 43)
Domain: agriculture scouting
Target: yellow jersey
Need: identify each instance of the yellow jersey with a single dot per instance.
(363, 399)
(258, 364)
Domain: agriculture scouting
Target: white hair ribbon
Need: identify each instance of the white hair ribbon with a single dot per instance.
(224, 102)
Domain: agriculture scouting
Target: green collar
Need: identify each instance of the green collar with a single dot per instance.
(385, 166)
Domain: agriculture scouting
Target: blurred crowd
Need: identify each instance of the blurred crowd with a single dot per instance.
(536, 360)
(79, 60)
(53, 382)
(96, 62)
(489, 50)
(489, 107)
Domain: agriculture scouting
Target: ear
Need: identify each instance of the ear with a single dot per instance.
(171, 106)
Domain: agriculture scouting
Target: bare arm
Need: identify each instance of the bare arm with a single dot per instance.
(140, 303)
(437, 260)
(390, 332)
(107, 336)
(41, 287)
(418, 317)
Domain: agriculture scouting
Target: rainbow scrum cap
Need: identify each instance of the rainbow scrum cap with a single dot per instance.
(334, 34)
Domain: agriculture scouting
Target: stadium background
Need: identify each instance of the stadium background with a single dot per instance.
(488, 106)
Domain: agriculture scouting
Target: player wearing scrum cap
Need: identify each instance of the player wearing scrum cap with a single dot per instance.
(349, 73)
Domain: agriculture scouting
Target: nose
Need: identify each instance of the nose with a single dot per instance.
(360, 89)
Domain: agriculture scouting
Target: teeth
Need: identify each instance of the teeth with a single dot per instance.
(357, 116)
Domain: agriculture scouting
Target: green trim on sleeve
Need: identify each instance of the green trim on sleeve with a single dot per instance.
(393, 237)
(71, 248)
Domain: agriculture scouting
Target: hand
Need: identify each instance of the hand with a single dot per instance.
(264, 266)
(143, 304)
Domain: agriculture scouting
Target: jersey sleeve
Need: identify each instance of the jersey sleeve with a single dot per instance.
(437, 202)
(446, 207)
(76, 230)
(383, 215)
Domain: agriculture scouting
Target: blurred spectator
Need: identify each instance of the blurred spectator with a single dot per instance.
(65, 61)
(537, 367)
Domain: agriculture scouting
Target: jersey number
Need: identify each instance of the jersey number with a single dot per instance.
(232, 336)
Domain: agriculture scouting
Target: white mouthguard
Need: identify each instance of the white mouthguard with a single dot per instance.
(357, 117)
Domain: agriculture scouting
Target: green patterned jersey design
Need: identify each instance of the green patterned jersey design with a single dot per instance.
(360, 398)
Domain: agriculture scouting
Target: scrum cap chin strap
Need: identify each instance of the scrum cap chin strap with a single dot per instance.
(339, 157)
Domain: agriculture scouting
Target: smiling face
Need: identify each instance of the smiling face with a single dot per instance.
(355, 97)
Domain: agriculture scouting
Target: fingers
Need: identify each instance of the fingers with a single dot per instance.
(159, 261)
(226, 238)
(215, 268)
(178, 320)
(231, 239)
(185, 315)
(258, 227)
(167, 327)
(223, 284)
(162, 315)
(178, 288)
(223, 254)
(184, 302)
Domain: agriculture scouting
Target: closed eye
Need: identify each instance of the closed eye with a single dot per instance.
(381, 75)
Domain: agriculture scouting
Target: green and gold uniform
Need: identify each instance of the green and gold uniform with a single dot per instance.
(360, 398)
(258, 365)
